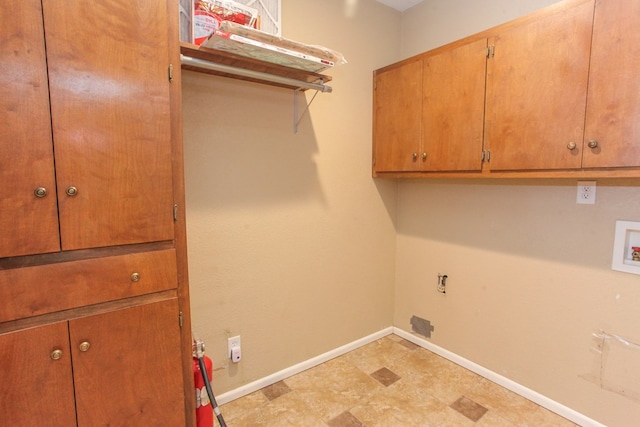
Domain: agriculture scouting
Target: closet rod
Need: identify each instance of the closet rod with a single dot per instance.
(200, 63)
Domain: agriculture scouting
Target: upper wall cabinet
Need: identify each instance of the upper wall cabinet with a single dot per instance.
(612, 132)
(429, 112)
(453, 108)
(558, 91)
(536, 91)
(396, 118)
(98, 98)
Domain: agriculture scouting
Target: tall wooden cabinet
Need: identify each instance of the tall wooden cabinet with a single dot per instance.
(94, 308)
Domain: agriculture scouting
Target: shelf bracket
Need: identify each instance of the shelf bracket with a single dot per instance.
(297, 117)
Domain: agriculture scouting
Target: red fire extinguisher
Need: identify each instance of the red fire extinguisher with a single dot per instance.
(204, 410)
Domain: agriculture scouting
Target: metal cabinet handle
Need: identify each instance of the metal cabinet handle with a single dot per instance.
(593, 143)
(135, 277)
(571, 146)
(424, 157)
(415, 156)
(84, 346)
(40, 192)
(56, 354)
(71, 191)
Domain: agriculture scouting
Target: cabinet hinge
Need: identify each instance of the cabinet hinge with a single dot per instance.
(180, 319)
(486, 156)
(491, 51)
(170, 73)
(175, 212)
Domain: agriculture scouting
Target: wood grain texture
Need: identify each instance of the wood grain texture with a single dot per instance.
(397, 118)
(28, 224)
(536, 92)
(613, 105)
(49, 288)
(108, 72)
(36, 390)
(131, 374)
(453, 108)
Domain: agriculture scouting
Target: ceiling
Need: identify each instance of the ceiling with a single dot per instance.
(400, 5)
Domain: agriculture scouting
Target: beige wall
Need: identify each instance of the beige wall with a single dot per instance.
(291, 242)
(530, 276)
(433, 23)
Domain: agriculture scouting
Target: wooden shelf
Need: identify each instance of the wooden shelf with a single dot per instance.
(264, 69)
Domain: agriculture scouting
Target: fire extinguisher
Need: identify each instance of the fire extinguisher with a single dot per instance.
(202, 375)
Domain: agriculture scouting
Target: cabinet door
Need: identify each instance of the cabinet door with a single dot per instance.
(29, 223)
(536, 91)
(453, 108)
(35, 376)
(613, 106)
(129, 372)
(108, 74)
(397, 114)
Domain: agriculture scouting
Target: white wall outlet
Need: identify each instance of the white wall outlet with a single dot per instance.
(234, 348)
(586, 192)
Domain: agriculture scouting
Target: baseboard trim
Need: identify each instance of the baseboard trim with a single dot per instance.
(303, 366)
(515, 387)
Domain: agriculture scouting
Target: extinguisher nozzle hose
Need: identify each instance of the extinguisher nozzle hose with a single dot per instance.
(207, 384)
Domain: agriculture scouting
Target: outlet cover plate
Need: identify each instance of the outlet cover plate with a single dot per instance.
(586, 193)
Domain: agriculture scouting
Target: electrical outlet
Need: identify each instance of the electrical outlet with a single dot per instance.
(233, 342)
(586, 192)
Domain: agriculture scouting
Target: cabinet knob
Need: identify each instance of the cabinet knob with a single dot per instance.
(571, 146)
(40, 192)
(135, 277)
(415, 156)
(71, 191)
(56, 354)
(84, 346)
(593, 143)
(424, 157)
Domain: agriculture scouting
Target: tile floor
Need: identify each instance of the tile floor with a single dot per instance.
(390, 382)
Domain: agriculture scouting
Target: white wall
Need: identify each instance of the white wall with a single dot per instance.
(291, 242)
(530, 277)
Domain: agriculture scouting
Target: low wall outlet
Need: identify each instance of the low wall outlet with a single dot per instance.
(234, 349)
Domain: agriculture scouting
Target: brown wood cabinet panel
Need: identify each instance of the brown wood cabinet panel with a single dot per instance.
(109, 90)
(397, 115)
(131, 373)
(453, 108)
(49, 288)
(536, 91)
(29, 224)
(36, 389)
(613, 105)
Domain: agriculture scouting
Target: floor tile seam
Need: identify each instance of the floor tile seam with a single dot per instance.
(510, 402)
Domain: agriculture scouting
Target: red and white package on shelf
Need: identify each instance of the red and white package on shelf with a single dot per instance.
(209, 14)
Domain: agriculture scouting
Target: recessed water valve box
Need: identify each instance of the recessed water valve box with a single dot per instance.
(626, 247)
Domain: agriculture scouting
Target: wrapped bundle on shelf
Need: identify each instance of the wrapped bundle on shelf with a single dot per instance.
(208, 15)
(249, 42)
